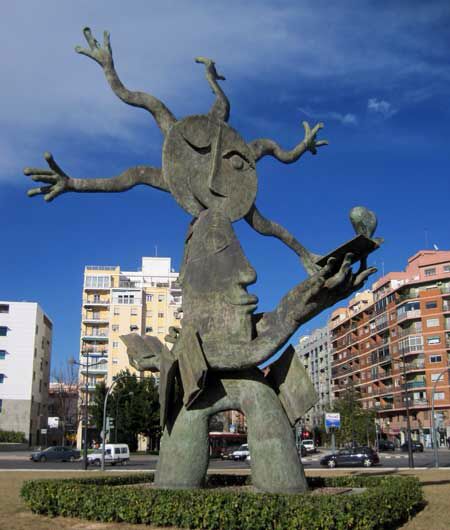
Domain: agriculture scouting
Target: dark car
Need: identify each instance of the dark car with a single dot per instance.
(352, 456)
(386, 445)
(56, 453)
(415, 446)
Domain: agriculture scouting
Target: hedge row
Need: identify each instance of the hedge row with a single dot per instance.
(12, 437)
(387, 502)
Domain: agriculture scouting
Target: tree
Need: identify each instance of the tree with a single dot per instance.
(357, 424)
(133, 406)
(64, 402)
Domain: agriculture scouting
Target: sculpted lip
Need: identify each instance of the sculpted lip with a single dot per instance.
(243, 298)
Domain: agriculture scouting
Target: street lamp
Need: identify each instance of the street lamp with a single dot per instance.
(117, 413)
(104, 411)
(86, 409)
(433, 420)
(408, 420)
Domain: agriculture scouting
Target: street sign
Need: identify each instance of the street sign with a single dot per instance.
(43, 431)
(332, 419)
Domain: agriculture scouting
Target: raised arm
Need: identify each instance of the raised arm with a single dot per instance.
(265, 147)
(103, 56)
(58, 182)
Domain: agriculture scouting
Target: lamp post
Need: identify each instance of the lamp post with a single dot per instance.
(408, 421)
(86, 402)
(108, 393)
(116, 417)
(433, 420)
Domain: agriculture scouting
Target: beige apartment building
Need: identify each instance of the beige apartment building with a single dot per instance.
(117, 302)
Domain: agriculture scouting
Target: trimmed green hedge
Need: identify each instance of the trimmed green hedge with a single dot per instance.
(12, 437)
(387, 502)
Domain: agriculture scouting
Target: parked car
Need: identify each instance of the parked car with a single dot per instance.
(386, 445)
(309, 446)
(415, 446)
(114, 454)
(241, 453)
(56, 453)
(353, 456)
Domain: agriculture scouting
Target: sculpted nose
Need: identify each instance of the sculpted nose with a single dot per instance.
(247, 275)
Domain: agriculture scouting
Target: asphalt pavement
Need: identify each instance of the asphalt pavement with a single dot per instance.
(396, 459)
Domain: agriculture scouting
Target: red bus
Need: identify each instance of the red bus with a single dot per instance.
(223, 442)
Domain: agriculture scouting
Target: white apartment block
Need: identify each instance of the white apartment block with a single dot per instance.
(314, 351)
(25, 351)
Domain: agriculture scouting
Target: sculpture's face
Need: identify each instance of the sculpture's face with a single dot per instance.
(215, 275)
(207, 164)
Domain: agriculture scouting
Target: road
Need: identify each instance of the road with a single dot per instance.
(397, 459)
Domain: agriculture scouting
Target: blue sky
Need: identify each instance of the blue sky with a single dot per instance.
(377, 73)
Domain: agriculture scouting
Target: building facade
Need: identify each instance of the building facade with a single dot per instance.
(25, 353)
(314, 352)
(117, 302)
(392, 346)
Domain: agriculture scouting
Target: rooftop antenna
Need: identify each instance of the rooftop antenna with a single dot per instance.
(156, 251)
(382, 268)
(435, 246)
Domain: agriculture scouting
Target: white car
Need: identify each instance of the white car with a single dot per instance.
(241, 453)
(114, 454)
(309, 446)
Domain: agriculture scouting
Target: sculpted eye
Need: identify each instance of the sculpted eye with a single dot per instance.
(237, 160)
(202, 150)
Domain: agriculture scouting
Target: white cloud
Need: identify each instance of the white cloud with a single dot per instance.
(380, 106)
(345, 119)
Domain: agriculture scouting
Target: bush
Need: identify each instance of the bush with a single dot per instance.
(12, 437)
(387, 502)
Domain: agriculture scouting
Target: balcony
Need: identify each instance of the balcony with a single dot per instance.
(101, 352)
(408, 315)
(405, 332)
(385, 374)
(96, 302)
(90, 319)
(100, 369)
(415, 365)
(96, 335)
(416, 384)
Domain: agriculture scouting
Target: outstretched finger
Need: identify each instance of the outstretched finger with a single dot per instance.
(107, 41)
(51, 179)
(52, 164)
(36, 171)
(317, 128)
(38, 191)
(321, 142)
(90, 38)
(53, 192)
(307, 128)
(362, 277)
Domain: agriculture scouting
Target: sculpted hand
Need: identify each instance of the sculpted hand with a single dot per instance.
(310, 137)
(102, 55)
(56, 178)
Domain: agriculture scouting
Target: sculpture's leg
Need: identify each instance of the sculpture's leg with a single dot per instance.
(276, 466)
(184, 453)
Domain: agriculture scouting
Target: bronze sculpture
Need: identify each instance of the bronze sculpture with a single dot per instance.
(211, 172)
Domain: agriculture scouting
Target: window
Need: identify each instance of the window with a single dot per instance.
(446, 268)
(115, 344)
(117, 311)
(432, 322)
(3, 331)
(2, 378)
(439, 395)
(430, 272)
(437, 377)
(4, 308)
(2, 354)
(100, 282)
(160, 315)
(115, 360)
(133, 327)
(148, 297)
(435, 359)
(134, 311)
(433, 340)
(432, 304)
(115, 327)
(160, 298)
(148, 329)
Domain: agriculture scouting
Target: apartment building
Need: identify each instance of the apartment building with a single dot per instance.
(392, 344)
(314, 352)
(25, 352)
(117, 302)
